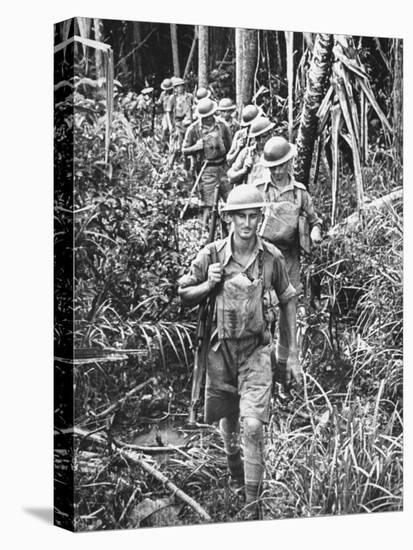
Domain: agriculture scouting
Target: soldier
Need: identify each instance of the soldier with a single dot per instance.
(288, 200)
(181, 110)
(226, 109)
(145, 109)
(249, 114)
(247, 167)
(164, 102)
(250, 278)
(210, 139)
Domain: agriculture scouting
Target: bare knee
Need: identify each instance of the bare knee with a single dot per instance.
(252, 430)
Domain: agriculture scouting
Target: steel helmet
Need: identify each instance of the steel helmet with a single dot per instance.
(167, 84)
(206, 107)
(260, 125)
(249, 112)
(243, 197)
(202, 92)
(226, 104)
(277, 151)
(177, 81)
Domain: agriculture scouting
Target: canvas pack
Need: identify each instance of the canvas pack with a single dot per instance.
(164, 135)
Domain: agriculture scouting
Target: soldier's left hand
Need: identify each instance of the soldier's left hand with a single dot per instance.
(294, 370)
(315, 234)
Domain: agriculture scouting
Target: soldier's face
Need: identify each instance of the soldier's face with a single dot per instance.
(245, 222)
(279, 173)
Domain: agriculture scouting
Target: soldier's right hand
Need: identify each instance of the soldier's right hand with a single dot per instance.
(248, 162)
(199, 145)
(215, 272)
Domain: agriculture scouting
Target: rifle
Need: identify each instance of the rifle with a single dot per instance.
(203, 328)
(198, 179)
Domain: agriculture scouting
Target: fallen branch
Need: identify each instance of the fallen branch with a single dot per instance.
(351, 223)
(136, 459)
(123, 399)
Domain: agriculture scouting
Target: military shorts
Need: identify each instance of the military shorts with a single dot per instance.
(238, 380)
(211, 176)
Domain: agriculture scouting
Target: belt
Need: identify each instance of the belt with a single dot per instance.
(216, 162)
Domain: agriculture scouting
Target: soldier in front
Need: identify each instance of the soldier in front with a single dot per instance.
(250, 280)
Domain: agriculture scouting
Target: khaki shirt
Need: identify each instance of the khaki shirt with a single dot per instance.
(274, 271)
(289, 193)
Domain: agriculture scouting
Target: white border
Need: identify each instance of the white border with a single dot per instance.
(26, 271)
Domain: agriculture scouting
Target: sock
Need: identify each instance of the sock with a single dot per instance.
(236, 466)
(253, 459)
(230, 428)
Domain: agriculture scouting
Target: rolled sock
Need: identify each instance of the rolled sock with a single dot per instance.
(282, 353)
(236, 466)
(253, 463)
(230, 436)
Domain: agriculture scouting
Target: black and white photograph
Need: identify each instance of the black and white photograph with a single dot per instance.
(228, 277)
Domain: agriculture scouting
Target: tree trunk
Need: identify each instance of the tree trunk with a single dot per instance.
(137, 58)
(175, 51)
(239, 55)
(249, 62)
(289, 40)
(203, 47)
(398, 107)
(98, 28)
(191, 53)
(317, 82)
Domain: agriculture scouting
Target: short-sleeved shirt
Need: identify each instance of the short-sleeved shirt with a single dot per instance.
(165, 101)
(289, 193)
(181, 107)
(273, 267)
(257, 173)
(196, 131)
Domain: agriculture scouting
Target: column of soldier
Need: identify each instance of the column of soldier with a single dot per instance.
(254, 272)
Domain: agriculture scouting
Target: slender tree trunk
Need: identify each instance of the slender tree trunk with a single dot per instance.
(239, 55)
(137, 58)
(203, 48)
(398, 106)
(175, 51)
(249, 63)
(191, 53)
(317, 83)
(289, 40)
(98, 30)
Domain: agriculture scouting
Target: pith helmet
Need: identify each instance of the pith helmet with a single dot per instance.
(249, 112)
(226, 104)
(277, 150)
(243, 197)
(206, 107)
(261, 125)
(177, 81)
(167, 84)
(202, 92)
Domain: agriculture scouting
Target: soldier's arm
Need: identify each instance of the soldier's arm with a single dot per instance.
(313, 220)
(236, 146)
(238, 170)
(191, 144)
(201, 279)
